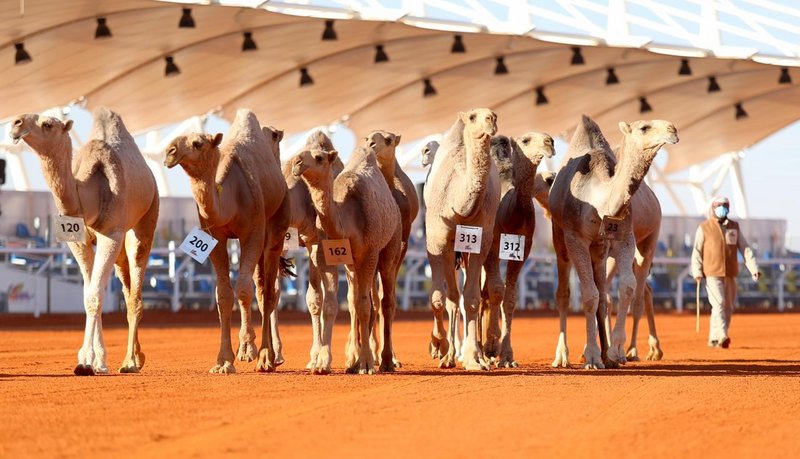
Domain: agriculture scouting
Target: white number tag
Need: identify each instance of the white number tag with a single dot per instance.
(337, 252)
(198, 244)
(512, 246)
(612, 228)
(291, 240)
(69, 229)
(468, 239)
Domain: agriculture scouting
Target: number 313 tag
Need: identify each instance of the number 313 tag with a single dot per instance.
(69, 229)
(337, 252)
(468, 239)
(198, 244)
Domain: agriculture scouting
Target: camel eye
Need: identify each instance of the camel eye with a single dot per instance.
(196, 144)
(46, 125)
(526, 140)
(318, 159)
(645, 128)
(472, 117)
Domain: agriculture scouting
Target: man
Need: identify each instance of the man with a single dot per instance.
(714, 257)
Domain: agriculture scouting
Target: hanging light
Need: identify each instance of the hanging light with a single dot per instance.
(21, 56)
(577, 57)
(305, 78)
(429, 89)
(685, 70)
(612, 77)
(458, 45)
(541, 99)
(644, 107)
(740, 113)
(187, 21)
(500, 68)
(380, 54)
(329, 34)
(249, 44)
(171, 69)
(102, 30)
(785, 77)
(713, 86)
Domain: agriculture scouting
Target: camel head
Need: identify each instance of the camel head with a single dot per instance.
(42, 133)
(429, 152)
(479, 122)
(648, 135)
(194, 152)
(382, 144)
(502, 150)
(536, 146)
(313, 164)
(319, 140)
(274, 137)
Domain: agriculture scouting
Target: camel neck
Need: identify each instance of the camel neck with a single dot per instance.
(205, 190)
(525, 177)
(478, 165)
(633, 164)
(57, 170)
(387, 167)
(327, 210)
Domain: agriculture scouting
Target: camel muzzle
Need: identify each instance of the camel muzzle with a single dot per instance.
(16, 138)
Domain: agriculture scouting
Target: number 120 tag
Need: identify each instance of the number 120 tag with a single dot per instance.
(468, 239)
(512, 246)
(198, 244)
(69, 229)
(337, 252)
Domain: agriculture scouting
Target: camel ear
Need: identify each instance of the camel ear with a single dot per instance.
(396, 140)
(332, 155)
(278, 136)
(463, 116)
(625, 128)
(217, 140)
(67, 125)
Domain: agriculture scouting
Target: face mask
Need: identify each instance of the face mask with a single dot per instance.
(721, 211)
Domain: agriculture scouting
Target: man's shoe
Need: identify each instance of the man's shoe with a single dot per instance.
(726, 343)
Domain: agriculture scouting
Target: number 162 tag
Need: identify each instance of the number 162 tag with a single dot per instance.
(198, 244)
(337, 252)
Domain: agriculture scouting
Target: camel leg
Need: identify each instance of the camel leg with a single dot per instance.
(108, 249)
(85, 257)
(627, 287)
(330, 307)
(138, 242)
(581, 255)
(314, 298)
(473, 355)
(375, 321)
(655, 345)
(562, 297)
(509, 304)
(352, 346)
(266, 276)
(277, 343)
(599, 264)
(632, 353)
(219, 259)
(491, 297)
(439, 345)
(388, 266)
(452, 300)
(364, 278)
(247, 335)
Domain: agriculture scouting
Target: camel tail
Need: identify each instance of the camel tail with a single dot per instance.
(286, 268)
(459, 259)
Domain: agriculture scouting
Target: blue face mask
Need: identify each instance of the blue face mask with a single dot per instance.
(721, 211)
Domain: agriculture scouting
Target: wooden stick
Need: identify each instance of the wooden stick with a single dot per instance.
(697, 307)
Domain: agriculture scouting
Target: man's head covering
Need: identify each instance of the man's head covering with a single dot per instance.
(720, 200)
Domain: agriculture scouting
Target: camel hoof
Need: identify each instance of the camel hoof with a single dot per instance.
(447, 362)
(226, 368)
(247, 352)
(321, 371)
(128, 368)
(438, 347)
(387, 367)
(351, 370)
(506, 362)
(475, 365)
(397, 363)
(655, 354)
(492, 348)
(279, 360)
(83, 370)
(264, 367)
(139, 358)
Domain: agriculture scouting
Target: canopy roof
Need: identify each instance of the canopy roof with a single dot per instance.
(127, 73)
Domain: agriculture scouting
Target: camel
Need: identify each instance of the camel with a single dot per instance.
(321, 296)
(108, 185)
(357, 205)
(240, 195)
(383, 145)
(517, 160)
(590, 187)
(463, 189)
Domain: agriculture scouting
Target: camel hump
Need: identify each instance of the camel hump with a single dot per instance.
(245, 128)
(99, 155)
(109, 128)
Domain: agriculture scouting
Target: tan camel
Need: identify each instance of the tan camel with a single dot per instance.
(240, 195)
(383, 145)
(358, 205)
(108, 185)
(321, 296)
(463, 189)
(589, 187)
(517, 160)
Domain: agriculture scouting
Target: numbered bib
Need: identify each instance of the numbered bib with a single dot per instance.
(612, 228)
(468, 239)
(731, 237)
(198, 244)
(69, 229)
(512, 246)
(291, 240)
(337, 252)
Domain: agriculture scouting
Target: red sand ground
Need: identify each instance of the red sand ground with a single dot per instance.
(697, 402)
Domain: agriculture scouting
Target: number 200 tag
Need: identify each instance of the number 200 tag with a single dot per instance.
(198, 244)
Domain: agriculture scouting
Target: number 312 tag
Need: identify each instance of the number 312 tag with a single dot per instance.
(198, 244)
